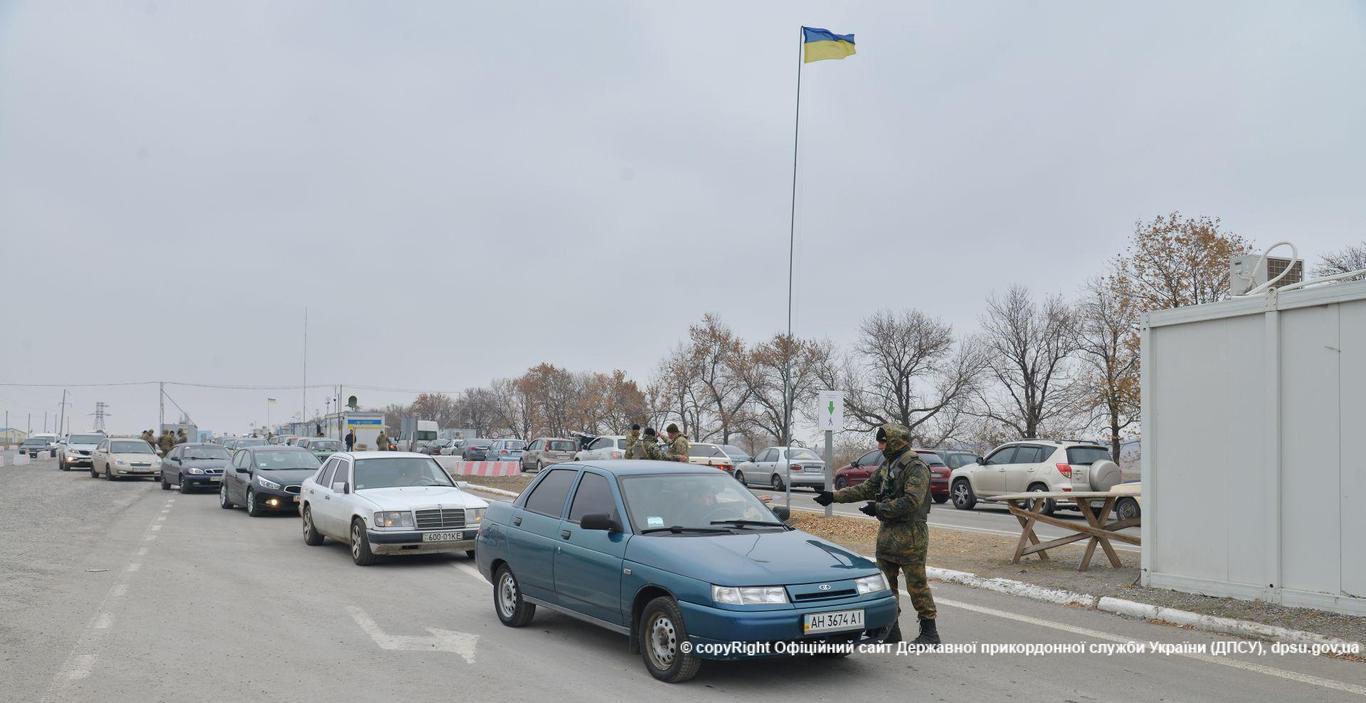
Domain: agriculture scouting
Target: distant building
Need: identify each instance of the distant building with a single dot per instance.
(10, 435)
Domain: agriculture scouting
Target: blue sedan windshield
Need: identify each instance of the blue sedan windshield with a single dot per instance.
(690, 501)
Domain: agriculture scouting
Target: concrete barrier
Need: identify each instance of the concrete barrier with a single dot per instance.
(456, 467)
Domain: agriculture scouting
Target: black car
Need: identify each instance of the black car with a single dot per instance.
(34, 447)
(266, 479)
(193, 466)
(476, 450)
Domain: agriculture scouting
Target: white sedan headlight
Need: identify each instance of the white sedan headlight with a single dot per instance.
(474, 516)
(871, 584)
(394, 518)
(194, 471)
(748, 595)
(120, 462)
(266, 483)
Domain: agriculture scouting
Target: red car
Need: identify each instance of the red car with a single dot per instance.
(864, 466)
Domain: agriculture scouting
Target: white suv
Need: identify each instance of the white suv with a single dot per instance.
(1034, 465)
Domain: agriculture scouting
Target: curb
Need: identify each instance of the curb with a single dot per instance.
(488, 489)
(1134, 609)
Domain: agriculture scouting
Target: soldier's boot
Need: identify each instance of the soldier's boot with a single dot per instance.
(929, 634)
(895, 635)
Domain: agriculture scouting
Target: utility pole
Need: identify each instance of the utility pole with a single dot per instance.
(303, 406)
(61, 419)
(100, 414)
(161, 398)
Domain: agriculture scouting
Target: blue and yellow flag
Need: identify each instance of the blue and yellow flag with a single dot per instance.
(821, 44)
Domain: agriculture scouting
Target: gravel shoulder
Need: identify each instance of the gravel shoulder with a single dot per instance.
(989, 555)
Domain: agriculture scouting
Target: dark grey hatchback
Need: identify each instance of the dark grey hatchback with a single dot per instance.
(192, 466)
(266, 479)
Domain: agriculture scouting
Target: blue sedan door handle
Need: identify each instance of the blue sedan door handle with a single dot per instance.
(564, 534)
(517, 520)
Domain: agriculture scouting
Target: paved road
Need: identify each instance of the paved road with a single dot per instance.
(121, 592)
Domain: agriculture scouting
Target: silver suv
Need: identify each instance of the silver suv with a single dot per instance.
(1034, 465)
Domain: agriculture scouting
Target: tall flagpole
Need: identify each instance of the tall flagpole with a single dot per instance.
(786, 439)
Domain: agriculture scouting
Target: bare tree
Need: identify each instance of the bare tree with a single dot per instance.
(784, 362)
(474, 410)
(1108, 342)
(716, 355)
(513, 409)
(1029, 346)
(906, 369)
(1352, 258)
(674, 394)
(1175, 261)
(553, 394)
(609, 403)
(435, 406)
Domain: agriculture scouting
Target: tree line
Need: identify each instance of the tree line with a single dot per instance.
(1063, 365)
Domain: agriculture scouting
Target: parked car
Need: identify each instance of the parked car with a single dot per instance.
(737, 455)
(673, 557)
(862, 468)
(1130, 506)
(320, 447)
(39, 444)
(191, 466)
(456, 448)
(544, 451)
(777, 466)
(711, 455)
(389, 503)
(266, 479)
(120, 457)
(77, 448)
(506, 450)
(437, 447)
(602, 448)
(957, 457)
(476, 450)
(1035, 465)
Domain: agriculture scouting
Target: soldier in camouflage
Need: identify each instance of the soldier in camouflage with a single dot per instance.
(632, 439)
(899, 497)
(678, 447)
(648, 446)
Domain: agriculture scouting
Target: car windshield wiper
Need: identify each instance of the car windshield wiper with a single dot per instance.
(676, 529)
(748, 523)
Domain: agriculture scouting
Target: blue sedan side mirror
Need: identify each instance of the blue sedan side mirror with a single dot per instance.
(599, 521)
(781, 512)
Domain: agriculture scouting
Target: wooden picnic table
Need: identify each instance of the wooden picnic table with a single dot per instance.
(1028, 509)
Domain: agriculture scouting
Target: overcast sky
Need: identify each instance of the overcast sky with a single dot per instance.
(460, 190)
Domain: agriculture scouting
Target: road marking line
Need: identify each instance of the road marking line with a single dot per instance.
(134, 567)
(104, 621)
(161, 518)
(462, 643)
(142, 551)
(119, 590)
(149, 538)
(470, 571)
(79, 667)
(1222, 661)
(155, 528)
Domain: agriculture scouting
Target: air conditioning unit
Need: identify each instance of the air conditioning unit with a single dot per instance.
(1244, 274)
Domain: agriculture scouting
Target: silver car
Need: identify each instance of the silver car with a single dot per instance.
(777, 467)
(505, 450)
(546, 451)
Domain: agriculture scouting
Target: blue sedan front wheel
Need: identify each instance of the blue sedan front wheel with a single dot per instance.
(512, 609)
(664, 642)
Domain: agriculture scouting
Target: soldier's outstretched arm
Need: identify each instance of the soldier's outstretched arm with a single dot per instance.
(863, 491)
(916, 493)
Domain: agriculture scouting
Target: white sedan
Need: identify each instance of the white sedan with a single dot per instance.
(116, 458)
(603, 448)
(388, 503)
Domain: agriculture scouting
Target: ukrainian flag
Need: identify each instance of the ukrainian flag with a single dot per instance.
(821, 44)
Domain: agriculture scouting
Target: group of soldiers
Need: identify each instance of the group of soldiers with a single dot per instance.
(167, 441)
(648, 446)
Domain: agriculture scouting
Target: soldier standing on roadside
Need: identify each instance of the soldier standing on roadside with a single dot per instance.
(632, 439)
(899, 497)
(648, 446)
(679, 447)
(166, 442)
(382, 442)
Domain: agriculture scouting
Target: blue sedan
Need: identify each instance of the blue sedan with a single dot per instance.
(683, 560)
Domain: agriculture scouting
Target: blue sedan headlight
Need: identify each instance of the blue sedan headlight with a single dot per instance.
(194, 471)
(748, 595)
(871, 584)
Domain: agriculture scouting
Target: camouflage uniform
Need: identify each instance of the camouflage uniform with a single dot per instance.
(648, 448)
(167, 443)
(678, 449)
(901, 491)
(632, 439)
(382, 442)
